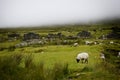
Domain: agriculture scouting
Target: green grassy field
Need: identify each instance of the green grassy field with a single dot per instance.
(53, 61)
(59, 54)
(65, 54)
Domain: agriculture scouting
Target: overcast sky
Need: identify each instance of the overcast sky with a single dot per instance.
(14, 13)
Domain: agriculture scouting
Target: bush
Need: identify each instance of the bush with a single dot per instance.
(111, 52)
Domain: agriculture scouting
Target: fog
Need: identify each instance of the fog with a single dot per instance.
(16, 13)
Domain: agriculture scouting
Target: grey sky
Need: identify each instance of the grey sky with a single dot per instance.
(41, 12)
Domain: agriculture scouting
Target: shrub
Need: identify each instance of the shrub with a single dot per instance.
(111, 52)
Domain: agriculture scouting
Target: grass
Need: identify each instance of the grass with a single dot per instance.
(10, 69)
(59, 54)
(56, 62)
(64, 54)
(37, 61)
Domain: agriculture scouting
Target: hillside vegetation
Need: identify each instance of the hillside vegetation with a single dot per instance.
(54, 56)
